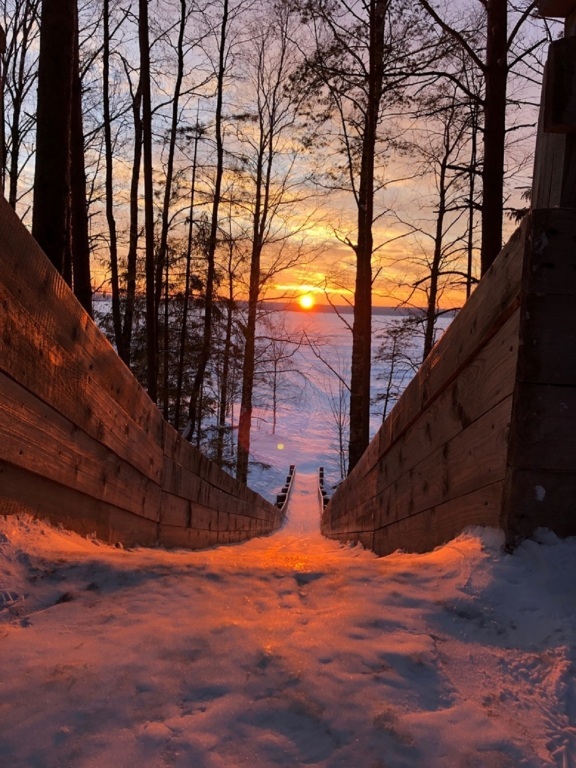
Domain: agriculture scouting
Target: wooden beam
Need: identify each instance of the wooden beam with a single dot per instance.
(556, 8)
(560, 87)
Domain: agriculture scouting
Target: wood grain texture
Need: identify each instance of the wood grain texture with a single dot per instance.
(35, 437)
(485, 432)
(541, 473)
(433, 527)
(486, 383)
(80, 441)
(42, 497)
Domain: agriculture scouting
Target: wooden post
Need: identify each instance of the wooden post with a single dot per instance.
(555, 160)
(2, 136)
(541, 469)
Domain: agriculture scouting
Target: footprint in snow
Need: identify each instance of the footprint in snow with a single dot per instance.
(8, 598)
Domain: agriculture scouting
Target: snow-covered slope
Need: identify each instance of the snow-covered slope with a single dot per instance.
(285, 651)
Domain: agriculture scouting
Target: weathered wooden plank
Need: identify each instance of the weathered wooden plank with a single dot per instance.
(488, 309)
(474, 458)
(35, 437)
(187, 538)
(549, 170)
(73, 386)
(559, 92)
(432, 527)
(551, 257)
(41, 320)
(174, 510)
(485, 382)
(436, 526)
(74, 510)
(179, 450)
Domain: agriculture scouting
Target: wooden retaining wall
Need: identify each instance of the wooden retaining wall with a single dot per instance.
(485, 434)
(80, 441)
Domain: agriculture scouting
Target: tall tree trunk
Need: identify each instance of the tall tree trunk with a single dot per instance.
(162, 262)
(362, 325)
(496, 73)
(263, 178)
(109, 186)
(151, 325)
(132, 256)
(78, 210)
(174, 123)
(54, 113)
(430, 323)
(187, 282)
(225, 380)
(194, 410)
(471, 201)
(21, 81)
(245, 418)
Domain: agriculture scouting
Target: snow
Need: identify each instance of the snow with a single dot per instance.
(288, 650)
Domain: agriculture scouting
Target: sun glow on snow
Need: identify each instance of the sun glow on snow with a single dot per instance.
(306, 301)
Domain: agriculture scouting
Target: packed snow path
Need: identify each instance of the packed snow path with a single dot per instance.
(289, 650)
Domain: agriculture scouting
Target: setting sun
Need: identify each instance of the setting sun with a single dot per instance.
(306, 301)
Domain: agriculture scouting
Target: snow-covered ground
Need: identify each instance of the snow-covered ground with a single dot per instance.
(289, 650)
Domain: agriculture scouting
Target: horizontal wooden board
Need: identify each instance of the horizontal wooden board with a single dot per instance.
(75, 368)
(436, 526)
(491, 304)
(72, 509)
(36, 438)
(72, 387)
(186, 538)
(432, 527)
(483, 384)
(474, 458)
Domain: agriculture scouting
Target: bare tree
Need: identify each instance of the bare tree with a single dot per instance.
(146, 86)
(268, 168)
(194, 409)
(21, 25)
(52, 169)
(364, 55)
(495, 64)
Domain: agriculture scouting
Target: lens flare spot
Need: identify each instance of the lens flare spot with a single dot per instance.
(280, 446)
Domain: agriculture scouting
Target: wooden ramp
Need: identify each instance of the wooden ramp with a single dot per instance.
(80, 441)
(485, 434)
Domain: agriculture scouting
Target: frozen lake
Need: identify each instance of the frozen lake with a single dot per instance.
(310, 399)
